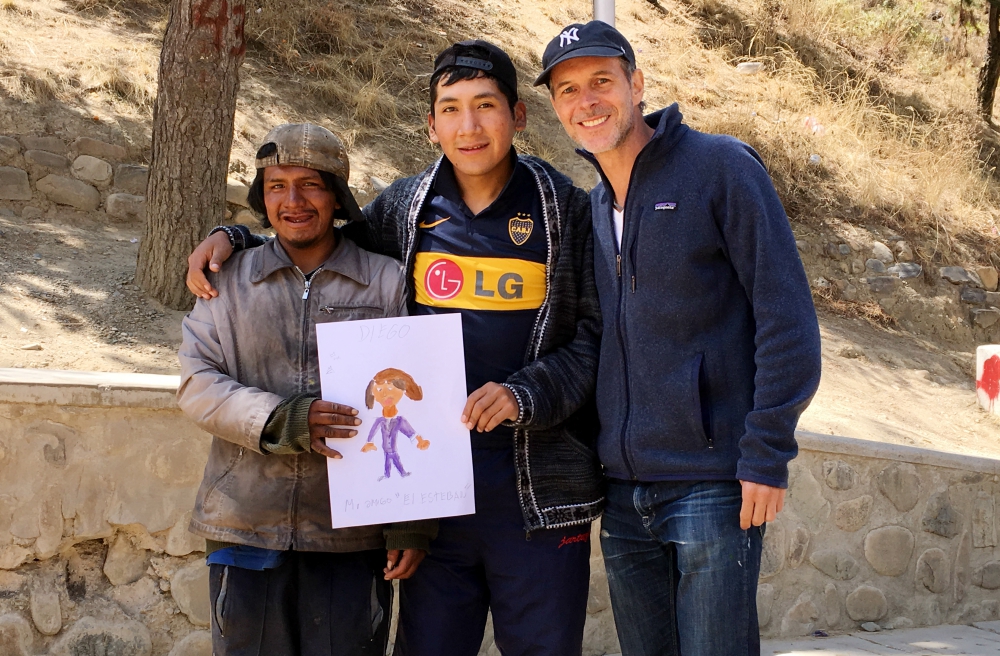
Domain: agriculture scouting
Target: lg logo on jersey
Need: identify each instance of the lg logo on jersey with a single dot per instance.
(509, 286)
(444, 280)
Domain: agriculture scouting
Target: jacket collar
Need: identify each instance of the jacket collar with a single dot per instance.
(346, 259)
(669, 129)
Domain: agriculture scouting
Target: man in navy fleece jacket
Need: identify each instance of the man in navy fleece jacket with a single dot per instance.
(710, 353)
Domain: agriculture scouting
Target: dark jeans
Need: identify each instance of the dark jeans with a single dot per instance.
(314, 604)
(536, 588)
(682, 574)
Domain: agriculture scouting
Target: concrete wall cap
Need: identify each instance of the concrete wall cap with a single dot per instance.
(87, 388)
(849, 446)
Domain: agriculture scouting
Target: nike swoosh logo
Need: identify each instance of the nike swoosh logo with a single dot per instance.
(431, 225)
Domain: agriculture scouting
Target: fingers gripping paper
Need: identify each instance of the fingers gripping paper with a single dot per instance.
(411, 458)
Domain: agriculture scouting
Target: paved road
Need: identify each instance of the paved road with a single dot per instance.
(980, 639)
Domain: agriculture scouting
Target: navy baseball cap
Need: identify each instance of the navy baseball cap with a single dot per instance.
(595, 39)
(484, 56)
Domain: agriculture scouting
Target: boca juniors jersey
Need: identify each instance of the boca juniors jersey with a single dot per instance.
(489, 267)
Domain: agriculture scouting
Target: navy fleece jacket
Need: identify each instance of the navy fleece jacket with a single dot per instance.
(711, 347)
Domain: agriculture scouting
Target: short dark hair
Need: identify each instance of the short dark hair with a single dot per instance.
(255, 197)
(451, 74)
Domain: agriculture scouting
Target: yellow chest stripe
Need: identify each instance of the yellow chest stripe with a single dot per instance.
(478, 283)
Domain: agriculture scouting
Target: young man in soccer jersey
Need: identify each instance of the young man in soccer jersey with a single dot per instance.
(504, 240)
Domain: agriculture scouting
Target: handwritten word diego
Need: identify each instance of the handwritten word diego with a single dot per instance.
(384, 331)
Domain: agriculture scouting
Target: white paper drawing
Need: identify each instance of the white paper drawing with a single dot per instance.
(411, 458)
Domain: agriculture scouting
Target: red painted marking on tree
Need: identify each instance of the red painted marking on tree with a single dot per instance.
(201, 18)
(240, 14)
(990, 382)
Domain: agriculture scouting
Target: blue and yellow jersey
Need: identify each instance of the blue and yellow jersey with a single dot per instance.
(489, 267)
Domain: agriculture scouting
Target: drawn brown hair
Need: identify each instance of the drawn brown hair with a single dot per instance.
(398, 379)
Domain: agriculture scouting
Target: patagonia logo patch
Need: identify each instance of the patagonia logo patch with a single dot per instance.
(665, 206)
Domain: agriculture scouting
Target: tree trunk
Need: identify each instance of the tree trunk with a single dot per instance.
(203, 49)
(991, 69)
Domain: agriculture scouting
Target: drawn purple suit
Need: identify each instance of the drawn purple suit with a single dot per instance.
(391, 427)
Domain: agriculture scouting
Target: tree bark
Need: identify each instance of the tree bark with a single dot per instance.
(990, 72)
(193, 115)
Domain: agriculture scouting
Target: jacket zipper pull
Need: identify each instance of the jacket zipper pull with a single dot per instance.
(633, 284)
(618, 264)
(305, 292)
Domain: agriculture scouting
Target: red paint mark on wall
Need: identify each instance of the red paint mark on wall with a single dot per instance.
(990, 382)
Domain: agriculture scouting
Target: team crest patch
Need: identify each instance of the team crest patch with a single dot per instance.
(520, 228)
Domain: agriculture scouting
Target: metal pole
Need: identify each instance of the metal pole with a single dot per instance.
(604, 10)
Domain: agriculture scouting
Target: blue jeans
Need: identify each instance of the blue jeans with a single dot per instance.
(682, 574)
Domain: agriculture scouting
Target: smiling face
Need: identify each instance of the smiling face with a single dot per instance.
(299, 207)
(387, 394)
(473, 122)
(596, 102)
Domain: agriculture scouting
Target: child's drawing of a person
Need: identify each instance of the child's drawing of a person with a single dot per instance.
(388, 387)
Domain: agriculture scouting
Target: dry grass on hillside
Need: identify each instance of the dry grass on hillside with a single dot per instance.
(899, 144)
(82, 57)
(891, 87)
(891, 83)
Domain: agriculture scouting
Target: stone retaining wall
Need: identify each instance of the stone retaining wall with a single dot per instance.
(98, 473)
(87, 175)
(883, 534)
(41, 173)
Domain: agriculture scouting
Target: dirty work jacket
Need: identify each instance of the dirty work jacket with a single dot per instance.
(246, 351)
(711, 346)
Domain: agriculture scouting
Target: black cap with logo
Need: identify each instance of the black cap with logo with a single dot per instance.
(595, 39)
(490, 59)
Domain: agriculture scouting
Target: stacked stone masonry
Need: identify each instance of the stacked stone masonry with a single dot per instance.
(98, 473)
(895, 536)
(951, 302)
(39, 173)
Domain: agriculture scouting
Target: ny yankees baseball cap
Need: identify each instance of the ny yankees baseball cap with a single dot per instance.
(489, 59)
(595, 39)
(313, 147)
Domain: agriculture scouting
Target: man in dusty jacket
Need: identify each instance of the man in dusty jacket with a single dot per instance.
(283, 581)
(710, 353)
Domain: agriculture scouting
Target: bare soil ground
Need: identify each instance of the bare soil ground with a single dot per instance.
(890, 386)
(67, 297)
